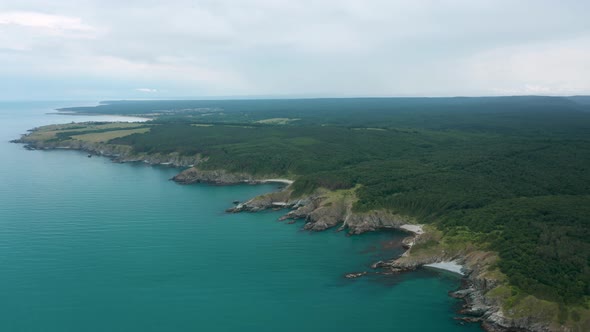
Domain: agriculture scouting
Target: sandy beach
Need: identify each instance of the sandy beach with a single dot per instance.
(416, 229)
(451, 266)
(285, 181)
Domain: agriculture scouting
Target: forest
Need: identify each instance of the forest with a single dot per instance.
(513, 173)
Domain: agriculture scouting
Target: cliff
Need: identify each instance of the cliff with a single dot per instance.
(487, 294)
(118, 153)
(325, 209)
(194, 175)
(483, 287)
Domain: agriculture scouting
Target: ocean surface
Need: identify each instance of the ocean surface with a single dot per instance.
(91, 245)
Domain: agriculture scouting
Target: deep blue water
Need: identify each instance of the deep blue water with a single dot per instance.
(90, 245)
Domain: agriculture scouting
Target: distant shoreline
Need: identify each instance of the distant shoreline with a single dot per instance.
(74, 113)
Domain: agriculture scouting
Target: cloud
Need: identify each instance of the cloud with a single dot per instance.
(547, 68)
(46, 23)
(146, 90)
(306, 47)
(27, 30)
(40, 20)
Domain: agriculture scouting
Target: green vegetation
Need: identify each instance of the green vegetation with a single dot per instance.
(106, 136)
(90, 131)
(508, 174)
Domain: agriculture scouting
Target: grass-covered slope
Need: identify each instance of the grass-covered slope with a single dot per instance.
(511, 174)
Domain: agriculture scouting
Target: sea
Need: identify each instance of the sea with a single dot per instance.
(87, 244)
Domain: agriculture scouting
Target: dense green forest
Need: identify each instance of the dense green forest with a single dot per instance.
(513, 172)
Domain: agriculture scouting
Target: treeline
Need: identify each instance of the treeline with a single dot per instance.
(515, 170)
(489, 113)
(542, 241)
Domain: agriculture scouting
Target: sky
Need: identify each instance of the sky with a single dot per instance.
(116, 49)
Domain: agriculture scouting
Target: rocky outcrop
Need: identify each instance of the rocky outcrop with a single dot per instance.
(195, 175)
(495, 319)
(480, 306)
(475, 284)
(358, 223)
(475, 290)
(355, 275)
(118, 153)
(322, 210)
(274, 200)
(326, 216)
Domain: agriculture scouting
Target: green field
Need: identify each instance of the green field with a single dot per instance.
(103, 137)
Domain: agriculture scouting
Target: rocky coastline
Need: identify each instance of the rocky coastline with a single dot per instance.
(117, 153)
(476, 283)
(320, 211)
(323, 210)
(219, 177)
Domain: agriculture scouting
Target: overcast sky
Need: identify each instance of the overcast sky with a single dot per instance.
(105, 49)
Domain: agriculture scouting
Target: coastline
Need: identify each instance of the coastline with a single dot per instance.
(113, 117)
(136, 118)
(321, 211)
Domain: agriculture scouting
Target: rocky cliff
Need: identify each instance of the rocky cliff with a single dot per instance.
(323, 210)
(484, 288)
(483, 291)
(481, 282)
(195, 175)
(118, 153)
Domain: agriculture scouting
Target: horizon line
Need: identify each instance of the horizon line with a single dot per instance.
(283, 97)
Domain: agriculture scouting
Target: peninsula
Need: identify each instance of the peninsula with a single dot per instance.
(500, 186)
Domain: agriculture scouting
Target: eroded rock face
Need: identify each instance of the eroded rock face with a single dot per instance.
(326, 216)
(195, 175)
(475, 285)
(498, 322)
(321, 213)
(358, 223)
(274, 200)
(303, 208)
(118, 153)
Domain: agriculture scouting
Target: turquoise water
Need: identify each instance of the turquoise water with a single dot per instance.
(90, 245)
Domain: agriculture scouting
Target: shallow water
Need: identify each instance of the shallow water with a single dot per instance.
(90, 245)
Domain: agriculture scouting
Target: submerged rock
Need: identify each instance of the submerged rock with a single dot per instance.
(355, 275)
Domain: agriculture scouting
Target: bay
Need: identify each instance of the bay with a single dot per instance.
(91, 245)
